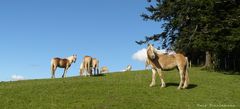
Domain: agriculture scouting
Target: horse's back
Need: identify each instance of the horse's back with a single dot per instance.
(62, 63)
(87, 61)
(180, 58)
(55, 60)
(87, 58)
(95, 62)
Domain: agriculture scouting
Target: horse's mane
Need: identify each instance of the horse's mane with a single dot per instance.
(158, 52)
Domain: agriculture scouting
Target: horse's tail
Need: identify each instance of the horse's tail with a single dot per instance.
(52, 68)
(186, 76)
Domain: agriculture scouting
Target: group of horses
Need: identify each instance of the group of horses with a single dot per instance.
(88, 65)
(157, 61)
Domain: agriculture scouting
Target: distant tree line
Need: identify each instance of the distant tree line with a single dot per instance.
(207, 31)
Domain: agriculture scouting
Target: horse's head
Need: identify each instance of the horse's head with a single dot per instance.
(74, 58)
(151, 51)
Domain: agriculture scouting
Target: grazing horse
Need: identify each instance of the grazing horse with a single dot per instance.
(129, 68)
(104, 69)
(161, 62)
(86, 65)
(62, 63)
(95, 66)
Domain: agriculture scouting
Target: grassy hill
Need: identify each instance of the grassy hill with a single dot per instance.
(128, 90)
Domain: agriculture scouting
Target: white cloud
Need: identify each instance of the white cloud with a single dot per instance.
(140, 55)
(17, 77)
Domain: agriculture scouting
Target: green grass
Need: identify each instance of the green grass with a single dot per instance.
(129, 90)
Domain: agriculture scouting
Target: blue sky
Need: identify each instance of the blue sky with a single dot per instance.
(34, 31)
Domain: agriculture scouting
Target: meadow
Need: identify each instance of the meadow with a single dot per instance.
(123, 90)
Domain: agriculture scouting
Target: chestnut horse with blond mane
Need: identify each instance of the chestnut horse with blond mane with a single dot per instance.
(163, 61)
(62, 63)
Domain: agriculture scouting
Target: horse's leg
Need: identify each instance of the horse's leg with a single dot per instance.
(94, 71)
(181, 73)
(64, 73)
(81, 72)
(86, 71)
(53, 68)
(98, 71)
(153, 77)
(161, 77)
(185, 74)
(89, 69)
(186, 82)
(81, 69)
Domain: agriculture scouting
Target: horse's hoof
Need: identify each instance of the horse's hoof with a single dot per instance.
(179, 88)
(151, 85)
(184, 87)
(163, 86)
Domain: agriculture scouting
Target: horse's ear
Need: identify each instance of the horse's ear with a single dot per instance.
(148, 45)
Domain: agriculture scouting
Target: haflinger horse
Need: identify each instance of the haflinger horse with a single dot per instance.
(62, 63)
(95, 66)
(86, 65)
(129, 68)
(104, 69)
(163, 61)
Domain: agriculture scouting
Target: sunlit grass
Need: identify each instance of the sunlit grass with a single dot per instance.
(128, 90)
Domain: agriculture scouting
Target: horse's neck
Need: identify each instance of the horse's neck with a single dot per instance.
(154, 62)
(70, 59)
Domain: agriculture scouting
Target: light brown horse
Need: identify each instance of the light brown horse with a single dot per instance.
(86, 65)
(62, 63)
(95, 66)
(161, 62)
(104, 69)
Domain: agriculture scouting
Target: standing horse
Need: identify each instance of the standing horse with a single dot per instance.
(62, 63)
(86, 65)
(95, 66)
(161, 62)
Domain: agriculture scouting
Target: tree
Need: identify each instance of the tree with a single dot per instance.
(195, 25)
